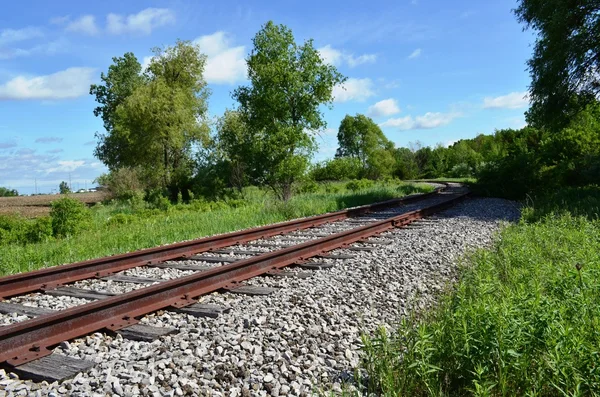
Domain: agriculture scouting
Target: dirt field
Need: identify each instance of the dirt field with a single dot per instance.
(32, 206)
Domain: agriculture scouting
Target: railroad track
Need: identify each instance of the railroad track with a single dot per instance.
(192, 269)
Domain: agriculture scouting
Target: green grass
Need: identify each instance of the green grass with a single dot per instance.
(119, 228)
(524, 318)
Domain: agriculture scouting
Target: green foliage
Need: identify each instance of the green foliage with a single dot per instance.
(152, 121)
(234, 149)
(122, 78)
(523, 320)
(5, 192)
(359, 184)
(69, 217)
(337, 169)
(564, 59)
(288, 84)
(361, 138)
(308, 186)
(64, 188)
(123, 183)
(18, 230)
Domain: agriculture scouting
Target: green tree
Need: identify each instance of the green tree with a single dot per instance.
(281, 106)
(5, 192)
(360, 137)
(234, 148)
(63, 188)
(566, 58)
(157, 125)
(122, 78)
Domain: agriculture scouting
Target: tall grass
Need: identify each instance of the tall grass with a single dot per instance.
(523, 320)
(118, 228)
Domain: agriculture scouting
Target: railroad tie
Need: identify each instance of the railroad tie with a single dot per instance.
(10, 308)
(145, 333)
(52, 368)
(202, 310)
(79, 293)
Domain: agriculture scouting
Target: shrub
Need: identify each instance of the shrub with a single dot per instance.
(331, 188)
(359, 184)
(308, 186)
(123, 183)
(69, 216)
(38, 230)
(337, 169)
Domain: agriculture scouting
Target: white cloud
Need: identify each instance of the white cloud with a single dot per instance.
(427, 121)
(415, 54)
(514, 100)
(336, 57)
(387, 107)
(8, 36)
(68, 83)
(85, 24)
(330, 55)
(49, 48)
(66, 166)
(142, 23)
(353, 90)
(225, 64)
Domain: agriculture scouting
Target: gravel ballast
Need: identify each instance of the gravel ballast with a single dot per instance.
(302, 339)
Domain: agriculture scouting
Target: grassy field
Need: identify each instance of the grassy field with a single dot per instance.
(523, 320)
(34, 206)
(125, 227)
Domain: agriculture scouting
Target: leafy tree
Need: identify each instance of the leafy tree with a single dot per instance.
(155, 127)
(360, 137)
(122, 78)
(63, 188)
(281, 106)
(234, 148)
(406, 165)
(5, 192)
(566, 58)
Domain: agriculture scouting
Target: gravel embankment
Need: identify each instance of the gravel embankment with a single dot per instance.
(303, 339)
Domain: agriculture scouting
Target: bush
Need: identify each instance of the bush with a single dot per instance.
(359, 184)
(308, 186)
(69, 217)
(38, 230)
(123, 184)
(337, 169)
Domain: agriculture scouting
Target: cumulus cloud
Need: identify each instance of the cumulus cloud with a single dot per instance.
(8, 36)
(141, 23)
(225, 64)
(387, 107)
(427, 121)
(66, 84)
(336, 57)
(353, 90)
(48, 139)
(85, 24)
(415, 54)
(514, 100)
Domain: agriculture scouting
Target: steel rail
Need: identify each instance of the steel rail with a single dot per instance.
(31, 339)
(56, 276)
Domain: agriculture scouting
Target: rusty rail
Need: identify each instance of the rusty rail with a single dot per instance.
(32, 339)
(56, 276)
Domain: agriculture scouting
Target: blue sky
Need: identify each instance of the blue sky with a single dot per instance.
(432, 71)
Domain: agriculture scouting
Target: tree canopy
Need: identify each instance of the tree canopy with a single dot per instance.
(281, 106)
(565, 64)
(153, 121)
(360, 137)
